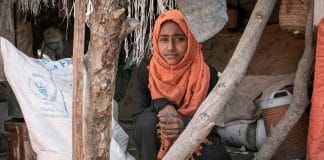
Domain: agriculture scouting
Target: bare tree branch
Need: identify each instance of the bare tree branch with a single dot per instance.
(300, 100)
(214, 104)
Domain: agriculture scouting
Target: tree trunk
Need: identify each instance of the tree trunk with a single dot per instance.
(214, 104)
(108, 27)
(300, 100)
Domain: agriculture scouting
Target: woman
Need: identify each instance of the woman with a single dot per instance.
(169, 89)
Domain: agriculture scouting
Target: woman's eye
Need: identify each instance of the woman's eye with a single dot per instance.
(180, 38)
(163, 39)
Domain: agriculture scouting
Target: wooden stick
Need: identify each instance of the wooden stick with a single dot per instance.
(78, 53)
(300, 101)
(214, 104)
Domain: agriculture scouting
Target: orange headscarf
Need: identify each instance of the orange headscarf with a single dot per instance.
(185, 83)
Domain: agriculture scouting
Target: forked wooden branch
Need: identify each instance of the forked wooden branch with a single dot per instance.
(300, 100)
(108, 27)
(214, 104)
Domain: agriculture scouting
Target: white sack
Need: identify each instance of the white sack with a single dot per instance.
(44, 91)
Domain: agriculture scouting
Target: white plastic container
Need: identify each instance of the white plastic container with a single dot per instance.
(239, 135)
(260, 133)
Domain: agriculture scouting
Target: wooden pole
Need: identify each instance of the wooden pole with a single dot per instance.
(213, 106)
(78, 53)
(300, 101)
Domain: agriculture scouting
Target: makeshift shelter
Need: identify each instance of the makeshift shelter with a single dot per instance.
(276, 56)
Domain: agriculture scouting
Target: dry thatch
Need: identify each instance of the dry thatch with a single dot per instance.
(24, 6)
(33, 6)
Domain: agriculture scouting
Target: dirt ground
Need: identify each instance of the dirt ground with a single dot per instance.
(277, 52)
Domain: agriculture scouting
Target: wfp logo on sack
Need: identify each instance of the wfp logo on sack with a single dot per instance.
(42, 88)
(50, 85)
(49, 99)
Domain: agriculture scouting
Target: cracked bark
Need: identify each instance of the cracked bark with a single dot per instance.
(108, 27)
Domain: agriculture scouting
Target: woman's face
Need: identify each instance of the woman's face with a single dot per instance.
(172, 43)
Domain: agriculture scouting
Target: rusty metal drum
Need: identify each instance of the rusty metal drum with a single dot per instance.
(16, 134)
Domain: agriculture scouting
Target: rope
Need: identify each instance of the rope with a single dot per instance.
(138, 44)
